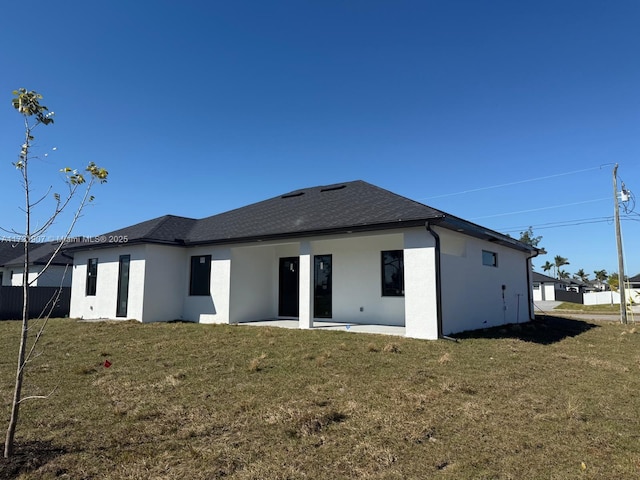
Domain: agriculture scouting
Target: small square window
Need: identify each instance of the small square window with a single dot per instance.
(490, 259)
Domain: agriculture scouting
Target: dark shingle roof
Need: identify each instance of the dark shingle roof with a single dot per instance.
(343, 207)
(39, 254)
(352, 205)
(539, 277)
(9, 251)
(166, 229)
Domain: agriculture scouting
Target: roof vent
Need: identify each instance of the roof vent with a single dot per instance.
(291, 195)
(331, 189)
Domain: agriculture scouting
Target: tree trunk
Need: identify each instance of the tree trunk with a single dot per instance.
(27, 103)
(17, 392)
(15, 406)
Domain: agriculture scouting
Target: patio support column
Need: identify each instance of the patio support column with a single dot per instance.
(420, 294)
(305, 316)
(221, 286)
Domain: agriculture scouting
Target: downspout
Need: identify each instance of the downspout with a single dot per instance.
(438, 276)
(532, 315)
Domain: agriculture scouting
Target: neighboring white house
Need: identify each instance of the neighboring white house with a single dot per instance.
(553, 289)
(633, 290)
(545, 287)
(12, 265)
(633, 282)
(50, 289)
(350, 252)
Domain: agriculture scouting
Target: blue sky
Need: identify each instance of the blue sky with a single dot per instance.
(197, 107)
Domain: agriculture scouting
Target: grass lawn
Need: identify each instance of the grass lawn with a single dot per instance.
(578, 307)
(555, 399)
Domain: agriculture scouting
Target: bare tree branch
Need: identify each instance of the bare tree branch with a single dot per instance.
(27, 103)
(31, 397)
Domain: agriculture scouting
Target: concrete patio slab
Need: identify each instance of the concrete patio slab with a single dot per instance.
(317, 325)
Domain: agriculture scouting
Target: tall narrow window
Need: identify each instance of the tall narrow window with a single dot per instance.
(122, 302)
(322, 286)
(393, 273)
(200, 283)
(92, 276)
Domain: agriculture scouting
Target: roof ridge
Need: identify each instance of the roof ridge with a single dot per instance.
(177, 216)
(317, 188)
(403, 197)
(163, 220)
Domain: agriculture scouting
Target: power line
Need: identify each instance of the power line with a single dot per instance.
(511, 183)
(564, 223)
(559, 222)
(567, 223)
(540, 209)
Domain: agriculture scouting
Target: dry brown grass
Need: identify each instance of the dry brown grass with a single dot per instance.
(257, 364)
(391, 348)
(205, 402)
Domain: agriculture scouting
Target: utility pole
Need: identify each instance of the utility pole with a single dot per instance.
(616, 213)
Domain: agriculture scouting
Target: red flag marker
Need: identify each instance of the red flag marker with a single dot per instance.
(107, 364)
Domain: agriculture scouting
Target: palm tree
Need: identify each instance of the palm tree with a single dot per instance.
(563, 274)
(601, 276)
(558, 262)
(547, 266)
(580, 274)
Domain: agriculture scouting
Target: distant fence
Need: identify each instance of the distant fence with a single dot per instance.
(39, 298)
(565, 296)
(611, 298)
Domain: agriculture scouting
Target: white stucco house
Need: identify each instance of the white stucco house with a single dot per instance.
(12, 265)
(545, 287)
(349, 252)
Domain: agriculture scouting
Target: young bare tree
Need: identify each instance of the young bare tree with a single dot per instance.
(78, 187)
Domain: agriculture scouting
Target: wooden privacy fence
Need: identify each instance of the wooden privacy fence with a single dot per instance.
(40, 298)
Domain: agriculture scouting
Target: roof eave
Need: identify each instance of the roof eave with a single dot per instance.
(445, 221)
(137, 241)
(468, 228)
(311, 233)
